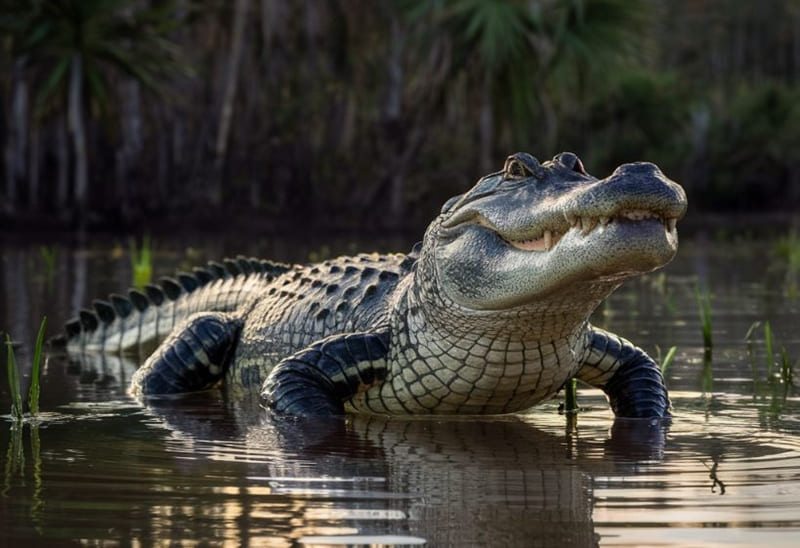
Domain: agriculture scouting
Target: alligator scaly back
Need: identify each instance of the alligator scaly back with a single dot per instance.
(138, 321)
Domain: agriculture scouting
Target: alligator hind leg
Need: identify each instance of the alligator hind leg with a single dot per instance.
(194, 357)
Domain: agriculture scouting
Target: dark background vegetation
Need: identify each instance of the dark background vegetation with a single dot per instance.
(349, 113)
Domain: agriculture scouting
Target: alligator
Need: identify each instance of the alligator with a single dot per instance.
(489, 314)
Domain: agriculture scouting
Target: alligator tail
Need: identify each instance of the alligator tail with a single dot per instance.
(138, 321)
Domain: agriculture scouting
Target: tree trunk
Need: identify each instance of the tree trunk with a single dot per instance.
(486, 124)
(15, 153)
(75, 116)
(163, 140)
(271, 12)
(231, 83)
(391, 115)
(131, 149)
(550, 118)
(33, 168)
(62, 153)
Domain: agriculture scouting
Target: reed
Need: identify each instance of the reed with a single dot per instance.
(787, 249)
(668, 359)
(36, 370)
(48, 254)
(13, 381)
(769, 344)
(141, 262)
(787, 367)
(704, 307)
(12, 373)
(571, 404)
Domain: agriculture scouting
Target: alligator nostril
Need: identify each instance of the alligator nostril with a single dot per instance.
(638, 169)
(571, 161)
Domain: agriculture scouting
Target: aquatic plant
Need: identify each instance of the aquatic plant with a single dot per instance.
(707, 380)
(769, 345)
(704, 306)
(13, 381)
(668, 359)
(571, 396)
(12, 372)
(36, 370)
(749, 335)
(787, 367)
(787, 248)
(141, 262)
(48, 254)
(786, 374)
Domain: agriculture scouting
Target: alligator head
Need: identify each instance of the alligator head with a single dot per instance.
(534, 230)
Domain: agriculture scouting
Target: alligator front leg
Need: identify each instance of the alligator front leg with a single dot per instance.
(630, 378)
(194, 357)
(319, 379)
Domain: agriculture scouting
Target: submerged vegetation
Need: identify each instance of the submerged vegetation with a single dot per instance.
(141, 262)
(14, 381)
(128, 110)
(785, 375)
(570, 404)
(668, 359)
(787, 250)
(703, 299)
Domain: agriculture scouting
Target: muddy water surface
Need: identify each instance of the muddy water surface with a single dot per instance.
(98, 468)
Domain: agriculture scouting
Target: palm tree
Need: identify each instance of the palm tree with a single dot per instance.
(73, 47)
(514, 51)
(588, 41)
(494, 44)
(240, 12)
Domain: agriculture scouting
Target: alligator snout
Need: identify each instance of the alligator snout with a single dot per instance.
(639, 186)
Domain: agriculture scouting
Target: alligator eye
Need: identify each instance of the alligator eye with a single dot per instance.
(571, 161)
(515, 170)
(521, 166)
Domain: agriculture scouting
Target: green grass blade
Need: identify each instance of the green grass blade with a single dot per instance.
(704, 306)
(141, 262)
(768, 341)
(33, 392)
(571, 405)
(13, 381)
(668, 359)
(787, 368)
(751, 331)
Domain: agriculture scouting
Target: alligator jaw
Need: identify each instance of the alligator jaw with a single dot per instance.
(548, 239)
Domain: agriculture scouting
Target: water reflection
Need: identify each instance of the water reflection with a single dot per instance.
(201, 468)
(454, 482)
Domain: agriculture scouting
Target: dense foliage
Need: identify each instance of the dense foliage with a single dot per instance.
(351, 112)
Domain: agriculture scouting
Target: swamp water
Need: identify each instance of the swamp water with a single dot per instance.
(98, 468)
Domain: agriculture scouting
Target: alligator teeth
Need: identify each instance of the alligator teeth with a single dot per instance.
(638, 215)
(537, 244)
(543, 243)
(587, 224)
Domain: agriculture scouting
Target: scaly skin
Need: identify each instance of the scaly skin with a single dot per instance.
(489, 315)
